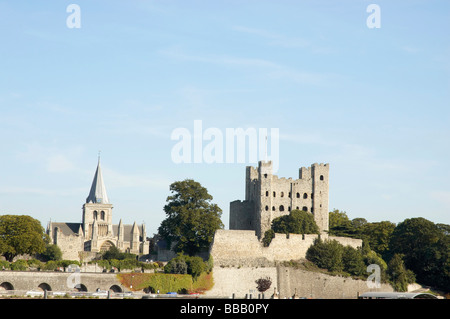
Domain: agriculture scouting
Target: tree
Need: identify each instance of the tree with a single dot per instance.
(341, 225)
(20, 234)
(326, 254)
(353, 261)
(425, 248)
(399, 276)
(51, 252)
(191, 218)
(378, 235)
(297, 222)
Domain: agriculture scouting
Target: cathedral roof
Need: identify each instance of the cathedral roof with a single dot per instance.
(98, 189)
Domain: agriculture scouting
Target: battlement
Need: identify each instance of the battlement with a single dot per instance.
(269, 196)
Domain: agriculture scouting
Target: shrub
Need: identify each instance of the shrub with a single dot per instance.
(19, 265)
(268, 236)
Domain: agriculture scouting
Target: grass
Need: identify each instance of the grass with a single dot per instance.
(167, 282)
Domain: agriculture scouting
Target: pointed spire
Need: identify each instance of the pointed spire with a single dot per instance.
(98, 189)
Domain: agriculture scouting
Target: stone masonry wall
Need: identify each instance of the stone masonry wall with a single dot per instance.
(242, 248)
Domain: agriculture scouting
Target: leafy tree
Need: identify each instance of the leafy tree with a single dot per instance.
(399, 276)
(338, 218)
(378, 236)
(191, 218)
(341, 225)
(51, 252)
(353, 261)
(20, 234)
(426, 250)
(297, 222)
(326, 254)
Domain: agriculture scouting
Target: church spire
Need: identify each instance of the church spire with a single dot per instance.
(98, 189)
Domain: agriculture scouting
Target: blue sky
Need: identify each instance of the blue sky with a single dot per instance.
(373, 103)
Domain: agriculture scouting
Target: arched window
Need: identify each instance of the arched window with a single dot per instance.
(305, 208)
(282, 194)
(321, 177)
(102, 215)
(281, 208)
(298, 195)
(273, 208)
(95, 214)
(265, 175)
(267, 193)
(267, 208)
(274, 194)
(305, 195)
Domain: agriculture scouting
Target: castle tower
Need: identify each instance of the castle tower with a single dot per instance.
(97, 208)
(267, 197)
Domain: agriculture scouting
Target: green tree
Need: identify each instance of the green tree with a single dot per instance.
(340, 224)
(326, 254)
(378, 235)
(20, 234)
(191, 218)
(426, 250)
(353, 261)
(51, 252)
(297, 222)
(399, 276)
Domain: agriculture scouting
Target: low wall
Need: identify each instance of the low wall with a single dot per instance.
(32, 280)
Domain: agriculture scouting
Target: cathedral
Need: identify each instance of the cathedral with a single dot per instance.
(96, 232)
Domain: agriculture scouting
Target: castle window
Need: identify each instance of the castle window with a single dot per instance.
(305, 195)
(321, 177)
(265, 175)
(298, 195)
(95, 214)
(281, 208)
(273, 208)
(267, 193)
(267, 208)
(282, 194)
(312, 210)
(102, 215)
(274, 194)
(289, 194)
(305, 209)
(297, 208)
(289, 208)
(312, 195)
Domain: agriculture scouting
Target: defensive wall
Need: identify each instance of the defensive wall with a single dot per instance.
(240, 258)
(240, 248)
(287, 281)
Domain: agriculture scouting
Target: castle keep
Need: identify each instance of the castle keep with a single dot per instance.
(96, 232)
(267, 197)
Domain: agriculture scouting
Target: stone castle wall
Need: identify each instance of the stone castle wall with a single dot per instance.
(243, 248)
(287, 281)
